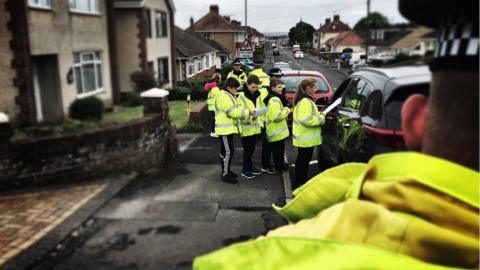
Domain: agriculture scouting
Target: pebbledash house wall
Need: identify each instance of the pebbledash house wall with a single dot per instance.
(143, 145)
(62, 32)
(128, 45)
(8, 92)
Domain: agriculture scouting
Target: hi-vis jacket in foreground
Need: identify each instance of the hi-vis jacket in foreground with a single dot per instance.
(400, 211)
(227, 113)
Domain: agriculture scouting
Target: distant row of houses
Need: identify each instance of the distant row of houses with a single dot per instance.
(53, 52)
(335, 35)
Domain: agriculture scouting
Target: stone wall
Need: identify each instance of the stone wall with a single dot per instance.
(142, 145)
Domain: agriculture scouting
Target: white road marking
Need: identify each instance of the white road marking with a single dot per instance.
(293, 59)
(184, 147)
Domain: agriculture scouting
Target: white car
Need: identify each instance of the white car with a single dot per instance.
(383, 57)
(298, 54)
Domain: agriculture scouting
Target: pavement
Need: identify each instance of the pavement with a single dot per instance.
(165, 221)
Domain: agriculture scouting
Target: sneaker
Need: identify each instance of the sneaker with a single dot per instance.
(269, 170)
(230, 180)
(232, 174)
(213, 135)
(248, 174)
(255, 171)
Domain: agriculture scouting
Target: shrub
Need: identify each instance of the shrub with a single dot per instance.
(142, 80)
(195, 87)
(90, 108)
(179, 93)
(133, 99)
(347, 50)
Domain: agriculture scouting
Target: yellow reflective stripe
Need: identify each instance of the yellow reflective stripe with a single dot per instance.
(307, 137)
(248, 127)
(225, 125)
(453, 179)
(276, 132)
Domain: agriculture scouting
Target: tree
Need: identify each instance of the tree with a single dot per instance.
(347, 50)
(374, 21)
(301, 33)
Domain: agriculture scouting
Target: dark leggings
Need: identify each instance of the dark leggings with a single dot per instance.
(301, 164)
(278, 149)
(248, 144)
(213, 121)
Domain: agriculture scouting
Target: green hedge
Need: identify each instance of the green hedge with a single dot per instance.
(90, 108)
(194, 87)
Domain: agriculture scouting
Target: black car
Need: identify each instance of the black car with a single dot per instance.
(276, 51)
(367, 121)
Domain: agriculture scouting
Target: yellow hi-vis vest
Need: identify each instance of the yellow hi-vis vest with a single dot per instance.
(227, 114)
(250, 126)
(212, 94)
(306, 124)
(242, 78)
(415, 212)
(263, 94)
(264, 78)
(277, 128)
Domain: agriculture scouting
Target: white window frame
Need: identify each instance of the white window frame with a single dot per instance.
(97, 60)
(43, 4)
(93, 7)
(159, 16)
(199, 65)
(207, 61)
(192, 65)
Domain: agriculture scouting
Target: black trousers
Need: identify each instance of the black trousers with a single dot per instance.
(213, 121)
(301, 164)
(248, 144)
(278, 150)
(226, 152)
(266, 151)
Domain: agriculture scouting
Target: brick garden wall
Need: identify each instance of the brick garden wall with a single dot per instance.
(141, 145)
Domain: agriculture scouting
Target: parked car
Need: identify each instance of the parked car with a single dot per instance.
(291, 79)
(356, 67)
(282, 66)
(368, 120)
(245, 62)
(295, 48)
(382, 57)
(276, 51)
(274, 45)
(357, 58)
(298, 54)
(345, 56)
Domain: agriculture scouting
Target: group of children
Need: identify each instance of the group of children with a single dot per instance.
(253, 110)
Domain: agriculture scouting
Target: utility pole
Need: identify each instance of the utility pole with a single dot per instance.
(246, 13)
(367, 37)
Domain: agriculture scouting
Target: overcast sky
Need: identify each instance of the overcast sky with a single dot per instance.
(281, 15)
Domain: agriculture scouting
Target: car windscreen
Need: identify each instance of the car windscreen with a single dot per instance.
(291, 83)
(393, 107)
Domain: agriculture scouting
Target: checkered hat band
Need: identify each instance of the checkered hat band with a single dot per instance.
(458, 44)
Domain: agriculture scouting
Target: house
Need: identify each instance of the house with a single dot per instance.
(253, 35)
(144, 31)
(347, 39)
(53, 52)
(222, 54)
(330, 29)
(416, 42)
(212, 26)
(381, 40)
(194, 56)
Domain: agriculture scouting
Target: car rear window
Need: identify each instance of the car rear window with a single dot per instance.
(291, 83)
(393, 107)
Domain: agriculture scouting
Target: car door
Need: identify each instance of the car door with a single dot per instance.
(350, 138)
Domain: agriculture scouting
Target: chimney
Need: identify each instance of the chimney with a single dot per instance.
(191, 21)
(214, 9)
(327, 21)
(227, 18)
(336, 18)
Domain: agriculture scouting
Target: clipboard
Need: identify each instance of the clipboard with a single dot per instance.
(332, 106)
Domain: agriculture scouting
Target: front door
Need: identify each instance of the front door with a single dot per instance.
(46, 85)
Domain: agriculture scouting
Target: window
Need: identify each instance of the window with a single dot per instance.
(207, 61)
(161, 23)
(88, 72)
(84, 6)
(207, 35)
(191, 69)
(148, 23)
(355, 94)
(163, 77)
(373, 106)
(199, 66)
(40, 3)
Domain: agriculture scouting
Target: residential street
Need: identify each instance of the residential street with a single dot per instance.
(334, 77)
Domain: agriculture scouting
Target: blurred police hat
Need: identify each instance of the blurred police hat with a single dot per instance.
(257, 62)
(457, 26)
(275, 72)
(236, 61)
